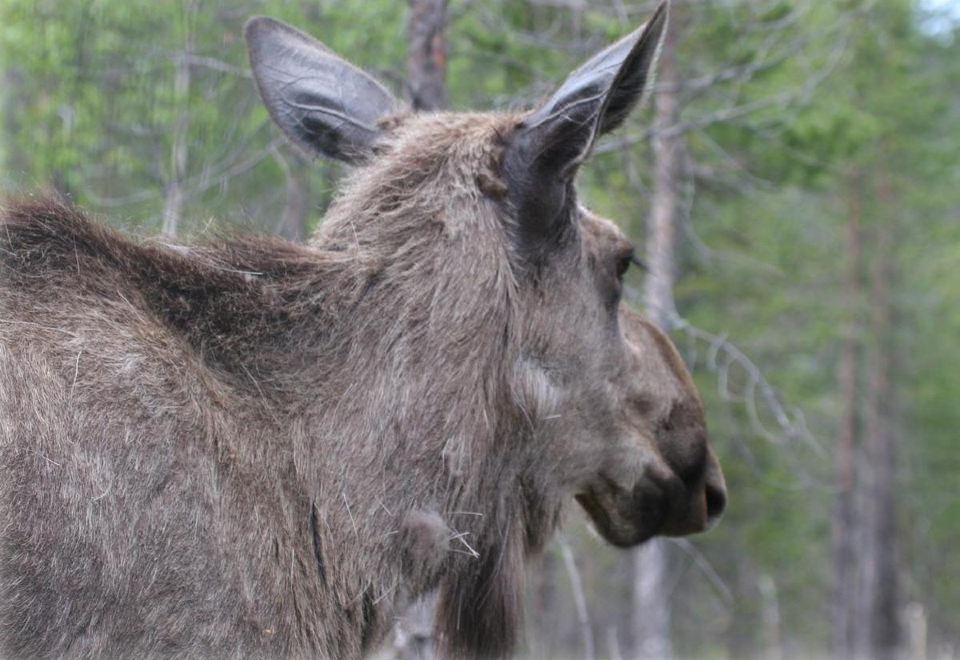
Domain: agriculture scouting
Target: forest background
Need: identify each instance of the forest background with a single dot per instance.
(794, 183)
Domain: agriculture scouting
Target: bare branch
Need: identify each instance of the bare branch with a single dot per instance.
(116, 202)
(791, 421)
(722, 356)
(713, 577)
(212, 63)
(206, 181)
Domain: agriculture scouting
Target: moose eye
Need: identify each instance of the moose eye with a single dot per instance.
(623, 263)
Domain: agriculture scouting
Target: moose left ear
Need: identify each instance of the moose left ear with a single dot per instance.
(553, 140)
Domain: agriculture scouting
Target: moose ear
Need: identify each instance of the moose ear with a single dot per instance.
(323, 104)
(554, 139)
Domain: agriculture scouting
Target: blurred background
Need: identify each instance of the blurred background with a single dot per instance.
(794, 183)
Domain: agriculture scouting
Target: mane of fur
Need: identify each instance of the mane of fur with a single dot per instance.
(293, 429)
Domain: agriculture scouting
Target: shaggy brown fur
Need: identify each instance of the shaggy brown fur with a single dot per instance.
(259, 449)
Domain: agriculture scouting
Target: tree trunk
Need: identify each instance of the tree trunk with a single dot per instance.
(650, 607)
(546, 640)
(772, 635)
(293, 223)
(175, 197)
(844, 519)
(414, 639)
(427, 54)
(579, 599)
(878, 633)
(665, 204)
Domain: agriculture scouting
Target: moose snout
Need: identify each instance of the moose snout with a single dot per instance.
(697, 506)
(659, 502)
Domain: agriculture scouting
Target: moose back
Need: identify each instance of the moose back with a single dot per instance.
(257, 448)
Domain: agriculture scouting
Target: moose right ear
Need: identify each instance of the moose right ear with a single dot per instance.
(551, 142)
(323, 104)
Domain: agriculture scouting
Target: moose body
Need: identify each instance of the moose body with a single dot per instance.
(256, 448)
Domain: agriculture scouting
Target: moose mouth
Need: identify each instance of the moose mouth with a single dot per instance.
(627, 517)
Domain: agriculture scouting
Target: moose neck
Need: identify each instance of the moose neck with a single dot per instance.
(416, 385)
(415, 421)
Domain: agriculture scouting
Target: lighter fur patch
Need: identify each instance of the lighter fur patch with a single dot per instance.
(534, 392)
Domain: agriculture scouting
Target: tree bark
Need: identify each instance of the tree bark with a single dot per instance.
(427, 54)
(844, 518)
(650, 607)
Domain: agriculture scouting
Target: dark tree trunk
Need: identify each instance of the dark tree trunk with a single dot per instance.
(844, 531)
(427, 54)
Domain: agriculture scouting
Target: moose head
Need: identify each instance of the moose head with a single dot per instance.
(487, 326)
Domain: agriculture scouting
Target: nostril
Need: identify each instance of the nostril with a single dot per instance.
(716, 502)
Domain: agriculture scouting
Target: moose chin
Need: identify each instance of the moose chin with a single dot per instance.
(254, 448)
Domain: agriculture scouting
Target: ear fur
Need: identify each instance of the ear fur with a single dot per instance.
(322, 103)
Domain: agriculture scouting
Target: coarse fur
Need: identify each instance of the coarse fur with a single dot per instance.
(251, 448)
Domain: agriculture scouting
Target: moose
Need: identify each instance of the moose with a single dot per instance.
(254, 448)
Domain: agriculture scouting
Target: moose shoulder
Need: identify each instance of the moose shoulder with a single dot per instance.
(256, 448)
